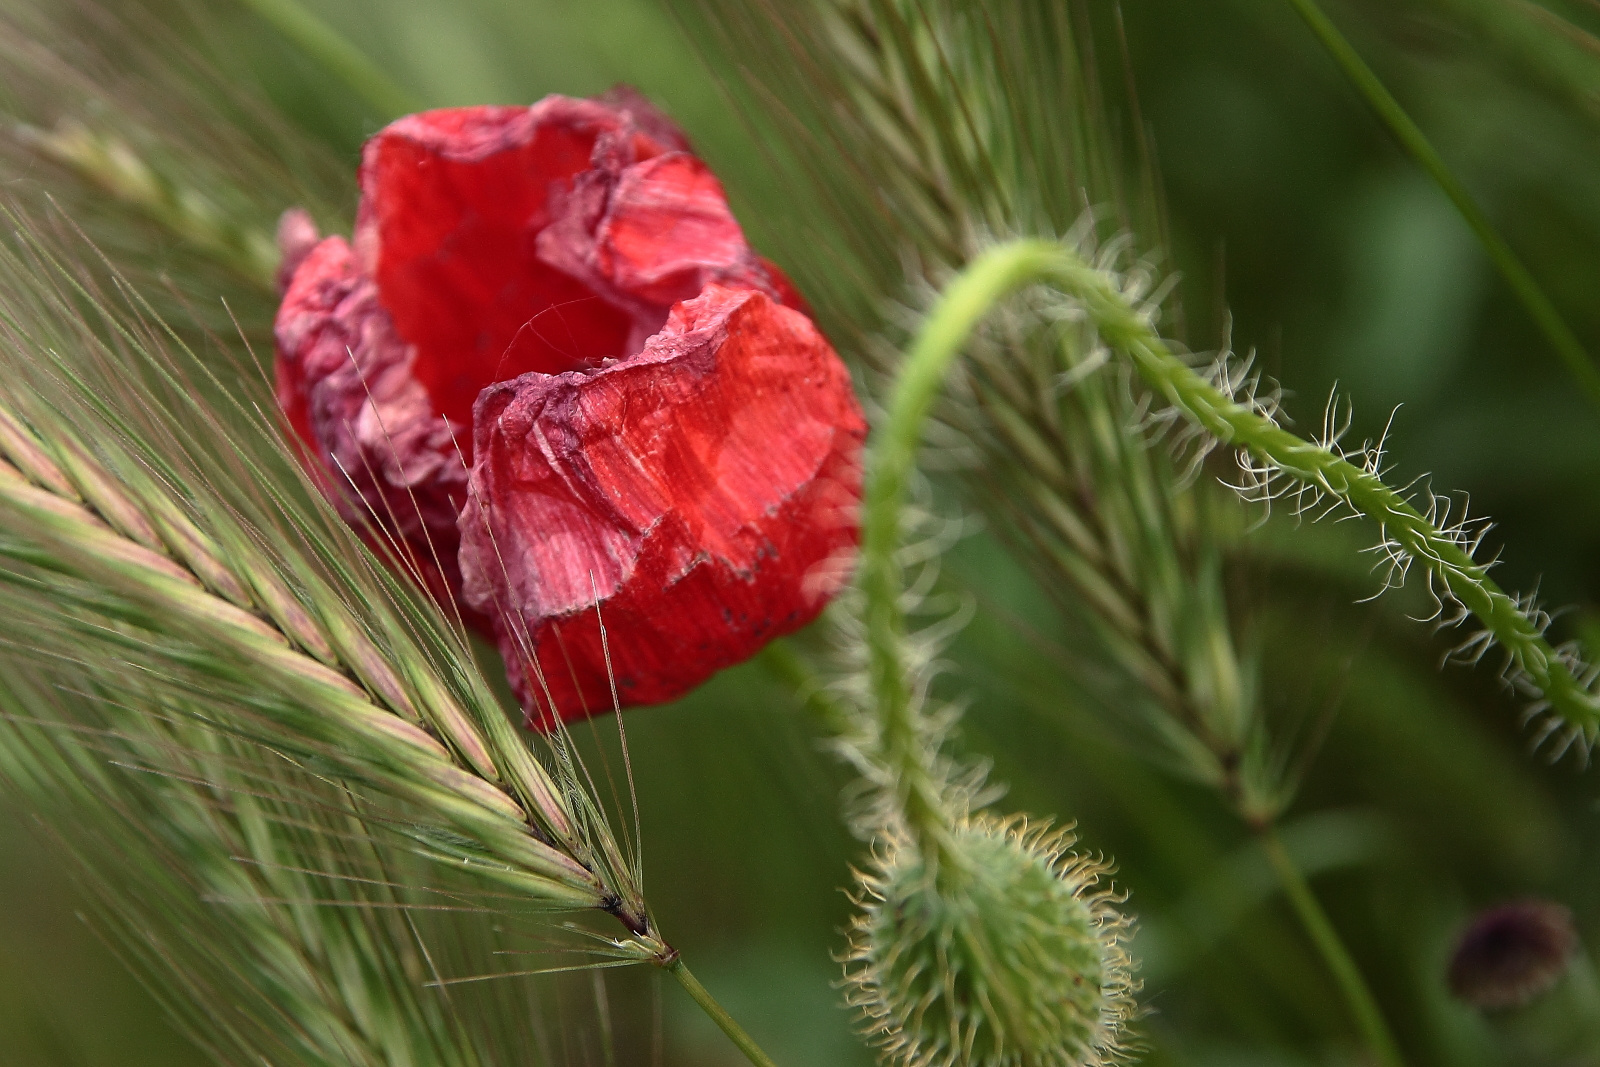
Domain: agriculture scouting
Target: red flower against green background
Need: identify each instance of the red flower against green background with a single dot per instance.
(550, 371)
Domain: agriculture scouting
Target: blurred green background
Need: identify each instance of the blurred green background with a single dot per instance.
(1297, 223)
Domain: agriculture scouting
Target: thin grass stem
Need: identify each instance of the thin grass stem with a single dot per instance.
(719, 1015)
(1416, 144)
(1458, 580)
(962, 305)
(341, 58)
(1358, 997)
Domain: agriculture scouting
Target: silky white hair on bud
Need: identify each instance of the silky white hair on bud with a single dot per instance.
(1009, 954)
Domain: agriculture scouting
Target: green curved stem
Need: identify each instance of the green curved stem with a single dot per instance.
(964, 304)
(1362, 1004)
(341, 58)
(718, 1014)
(1415, 142)
(890, 464)
(1325, 471)
(1126, 329)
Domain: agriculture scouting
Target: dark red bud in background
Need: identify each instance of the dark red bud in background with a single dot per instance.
(1509, 955)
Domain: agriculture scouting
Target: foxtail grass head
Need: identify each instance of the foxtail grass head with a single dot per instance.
(1009, 953)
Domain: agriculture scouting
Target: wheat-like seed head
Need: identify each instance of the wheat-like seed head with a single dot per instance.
(131, 501)
(948, 127)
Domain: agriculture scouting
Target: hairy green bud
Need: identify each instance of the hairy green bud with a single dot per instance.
(1009, 954)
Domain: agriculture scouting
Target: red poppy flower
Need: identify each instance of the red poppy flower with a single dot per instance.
(549, 318)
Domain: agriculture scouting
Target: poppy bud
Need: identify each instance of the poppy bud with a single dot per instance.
(1012, 954)
(1511, 954)
(572, 273)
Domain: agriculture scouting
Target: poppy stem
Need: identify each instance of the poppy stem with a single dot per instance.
(1346, 975)
(719, 1014)
(903, 745)
(1320, 473)
(1312, 472)
(1226, 411)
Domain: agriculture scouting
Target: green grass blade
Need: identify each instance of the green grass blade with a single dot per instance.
(341, 58)
(1538, 306)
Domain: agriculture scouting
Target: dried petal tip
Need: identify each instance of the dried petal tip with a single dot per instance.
(1510, 955)
(297, 236)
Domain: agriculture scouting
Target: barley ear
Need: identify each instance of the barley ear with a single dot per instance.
(135, 505)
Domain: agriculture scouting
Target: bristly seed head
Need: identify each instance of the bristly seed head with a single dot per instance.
(1011, 956)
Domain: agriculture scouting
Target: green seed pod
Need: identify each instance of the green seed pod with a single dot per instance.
(1008, 955)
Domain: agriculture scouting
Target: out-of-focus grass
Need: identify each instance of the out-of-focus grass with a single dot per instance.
(64, 999)
(1339, 262)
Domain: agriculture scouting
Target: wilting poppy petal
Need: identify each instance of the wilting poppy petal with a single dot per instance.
(702, 493)
(503, 245)
(645, 116)
(651, 233)
(452, 204)
(297, 236)
(374, 442)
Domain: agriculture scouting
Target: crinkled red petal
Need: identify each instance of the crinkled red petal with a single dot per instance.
(702, 494)
(669, 232)
(297, 236)
(320, 283)
(647, 234)
(784, 289)
(452, 205)
(702, 480)
(370, 437)
(646, 116)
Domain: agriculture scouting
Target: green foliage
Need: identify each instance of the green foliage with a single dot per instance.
(265, 763)
(301, 752)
